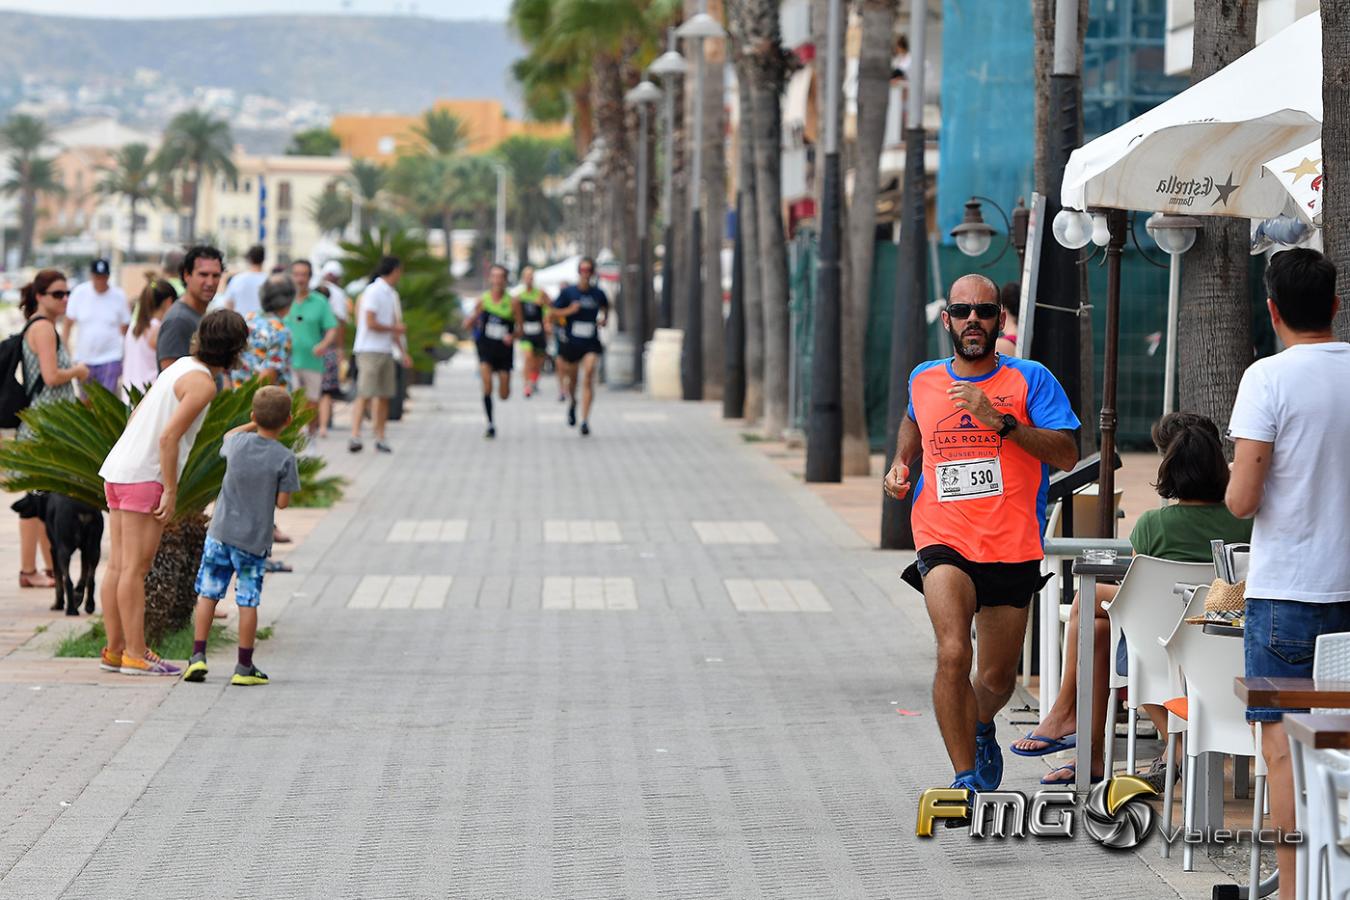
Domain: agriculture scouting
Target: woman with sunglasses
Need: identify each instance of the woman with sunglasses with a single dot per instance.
(46, 364)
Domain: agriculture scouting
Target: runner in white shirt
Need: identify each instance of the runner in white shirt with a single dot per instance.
(103, 315)
(1292, 428)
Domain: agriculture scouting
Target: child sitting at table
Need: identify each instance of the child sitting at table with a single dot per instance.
(1194, 473)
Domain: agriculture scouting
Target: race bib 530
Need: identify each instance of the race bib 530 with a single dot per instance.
(969, 478)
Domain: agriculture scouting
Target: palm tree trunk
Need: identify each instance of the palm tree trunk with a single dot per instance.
(747, 220)
(874, 92)
(27, 223)
(714, 212)
(196, 196)
(447, 218)
(768, 66)
(131, 233)
(1214, 322)
(1336, 151)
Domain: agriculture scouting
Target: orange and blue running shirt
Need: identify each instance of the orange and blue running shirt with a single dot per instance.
(980, 494)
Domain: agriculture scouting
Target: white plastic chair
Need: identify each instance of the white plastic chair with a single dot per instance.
(1331, 662)
(1144, 610)
(1216, 721)
(1324, 863)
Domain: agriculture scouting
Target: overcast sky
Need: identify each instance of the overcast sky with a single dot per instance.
(134, 9)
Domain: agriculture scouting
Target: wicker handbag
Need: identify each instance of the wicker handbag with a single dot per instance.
(1224, 604)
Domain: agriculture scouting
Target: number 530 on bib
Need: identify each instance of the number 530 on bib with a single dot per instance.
(969, 479)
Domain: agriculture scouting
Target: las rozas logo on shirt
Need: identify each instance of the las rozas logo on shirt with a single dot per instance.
(961, 436)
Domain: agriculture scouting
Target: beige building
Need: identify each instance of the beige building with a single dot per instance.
(269, 203)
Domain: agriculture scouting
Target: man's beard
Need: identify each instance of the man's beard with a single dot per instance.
(973, 352)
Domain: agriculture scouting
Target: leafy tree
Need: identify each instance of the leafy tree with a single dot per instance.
(331, 210)
(441, 133)
(531, 162)
(132, 176)
(368, 179)
(430, 305)
(314, 142)
(31, 174)
(195, 147)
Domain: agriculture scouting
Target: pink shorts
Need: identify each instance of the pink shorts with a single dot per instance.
(141, 497)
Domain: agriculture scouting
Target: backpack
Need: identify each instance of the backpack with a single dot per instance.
(15, 396)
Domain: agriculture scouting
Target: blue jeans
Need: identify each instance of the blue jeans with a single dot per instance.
(1279, 639)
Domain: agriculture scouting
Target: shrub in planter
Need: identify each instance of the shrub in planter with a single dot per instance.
(70, 441)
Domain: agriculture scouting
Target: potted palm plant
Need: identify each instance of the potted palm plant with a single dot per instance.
(70, 441)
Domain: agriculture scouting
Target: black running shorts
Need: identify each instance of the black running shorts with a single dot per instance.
(495, 353)
(996, 584)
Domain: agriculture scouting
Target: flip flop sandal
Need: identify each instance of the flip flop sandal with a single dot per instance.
(1073, 769)
(1052, 745)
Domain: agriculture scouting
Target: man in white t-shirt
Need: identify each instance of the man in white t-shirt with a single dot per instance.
(378, 348)
(244, 289)
(1289, 473)
(101, 311)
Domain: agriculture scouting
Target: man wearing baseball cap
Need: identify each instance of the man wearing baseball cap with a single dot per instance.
(101, 311)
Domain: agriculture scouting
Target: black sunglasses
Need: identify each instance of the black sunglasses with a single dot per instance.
(58, 295)
(963, 310)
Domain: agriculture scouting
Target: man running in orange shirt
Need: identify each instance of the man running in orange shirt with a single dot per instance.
(989, 428)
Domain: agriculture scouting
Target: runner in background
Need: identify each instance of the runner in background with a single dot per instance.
(496, 321)
(534, 328)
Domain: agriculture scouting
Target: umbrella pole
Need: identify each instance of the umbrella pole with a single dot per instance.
(1170, 354)
(1106, 479)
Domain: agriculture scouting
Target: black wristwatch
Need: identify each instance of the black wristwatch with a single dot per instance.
(1009, 423)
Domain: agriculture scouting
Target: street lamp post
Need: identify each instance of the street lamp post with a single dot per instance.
(696, 28)
(1175, 235)
(643, 97)
(669, 67)
(974, 236)
(825, 433)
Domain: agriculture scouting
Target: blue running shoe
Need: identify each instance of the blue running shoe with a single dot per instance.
(970, 781)
(988, 758)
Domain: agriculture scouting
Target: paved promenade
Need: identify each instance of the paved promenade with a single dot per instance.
(645, 664)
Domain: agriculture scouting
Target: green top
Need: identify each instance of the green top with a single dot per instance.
(499, 308)
(308, 321)
(1182, 533)
(530, 296)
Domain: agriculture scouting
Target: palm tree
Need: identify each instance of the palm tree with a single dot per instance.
(426, 188)
(768, 69)
(1214, 321)
(441, 133)
(31, 174)
(195, 147)
(131, 176)
(531, 162)
(747, 219)
(874, 90)
(1336, 150)
(368, 179)
(475, 186)
(331, 210)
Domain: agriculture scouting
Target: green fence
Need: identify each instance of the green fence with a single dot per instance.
(1143, 322)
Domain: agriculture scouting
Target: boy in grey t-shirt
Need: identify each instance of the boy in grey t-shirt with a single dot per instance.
(260, 476)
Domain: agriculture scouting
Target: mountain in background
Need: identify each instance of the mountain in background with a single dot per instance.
(307, 66)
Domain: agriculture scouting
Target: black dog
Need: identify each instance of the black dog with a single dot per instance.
(73, 526)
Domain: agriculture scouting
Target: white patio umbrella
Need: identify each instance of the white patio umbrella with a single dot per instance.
(1300, 173)
(1203, 152)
